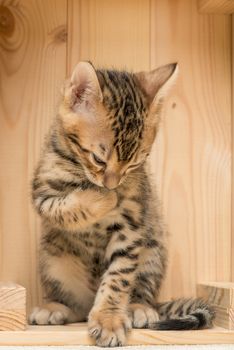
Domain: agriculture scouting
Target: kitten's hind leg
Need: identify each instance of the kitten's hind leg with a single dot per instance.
(142, 315)
(53, 313)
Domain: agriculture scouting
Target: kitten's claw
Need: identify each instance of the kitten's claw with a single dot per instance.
(142, 315)
(95, 332)
(108, 328)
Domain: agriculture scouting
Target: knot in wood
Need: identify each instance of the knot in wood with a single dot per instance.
(7, 22)
(61, 34)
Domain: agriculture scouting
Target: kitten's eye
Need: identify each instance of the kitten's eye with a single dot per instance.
(98, 160)
(134, 166)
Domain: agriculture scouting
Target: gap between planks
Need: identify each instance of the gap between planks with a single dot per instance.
(76, 334)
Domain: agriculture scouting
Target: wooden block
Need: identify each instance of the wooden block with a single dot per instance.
(224, 317)
(12, 307)
(217, 293)
(221, 296)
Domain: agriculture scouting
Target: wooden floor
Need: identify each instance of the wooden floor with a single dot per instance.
(76, 334)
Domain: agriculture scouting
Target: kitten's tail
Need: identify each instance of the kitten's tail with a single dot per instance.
(184, 314)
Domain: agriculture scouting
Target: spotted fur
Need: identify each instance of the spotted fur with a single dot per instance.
(103, 252)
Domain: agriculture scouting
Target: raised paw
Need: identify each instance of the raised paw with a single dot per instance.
(142, 315)
(108, 328)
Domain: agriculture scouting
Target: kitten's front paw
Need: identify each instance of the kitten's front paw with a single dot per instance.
(108, 328)
(142, 315)
(43, 316)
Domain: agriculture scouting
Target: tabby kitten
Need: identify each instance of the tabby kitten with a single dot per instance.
(103, 253)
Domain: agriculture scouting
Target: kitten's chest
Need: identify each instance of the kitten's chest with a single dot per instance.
(97, 237)
(93, 247)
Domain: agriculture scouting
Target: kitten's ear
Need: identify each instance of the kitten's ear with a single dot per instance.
(85, 85)
(158, 82)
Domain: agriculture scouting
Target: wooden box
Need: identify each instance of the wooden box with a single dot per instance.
(40, 43)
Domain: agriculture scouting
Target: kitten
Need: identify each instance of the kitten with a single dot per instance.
(103, 252)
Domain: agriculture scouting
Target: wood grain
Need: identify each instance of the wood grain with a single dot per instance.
(224, 317)
(192, 156)
(12, 307)
(32, 66)
(221, 296)
(217, 293)
(77, 334)
(232, 125)
(191, 161)
(109, 33)
(216, 6)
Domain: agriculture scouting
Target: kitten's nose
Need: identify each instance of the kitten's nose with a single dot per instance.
(111, 180)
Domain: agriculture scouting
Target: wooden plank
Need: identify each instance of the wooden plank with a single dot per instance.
(109, 33)
(232, 88)
(217, 293)
(12, 307)
(191, 160)
(32, 66)
(77, 334)
(216, 6)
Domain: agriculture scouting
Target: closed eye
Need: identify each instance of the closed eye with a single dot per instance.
(134, 166)
(98, 160)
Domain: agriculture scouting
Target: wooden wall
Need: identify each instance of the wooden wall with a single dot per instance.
(232, 228)
(42, 40)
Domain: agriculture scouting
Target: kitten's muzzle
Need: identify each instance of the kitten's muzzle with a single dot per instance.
(111, 180)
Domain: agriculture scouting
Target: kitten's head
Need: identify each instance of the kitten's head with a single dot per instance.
(110, 118)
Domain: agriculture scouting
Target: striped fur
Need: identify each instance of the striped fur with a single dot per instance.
(126, 107)
(103, 252)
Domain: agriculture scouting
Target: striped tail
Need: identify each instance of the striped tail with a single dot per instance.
(184, 314)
